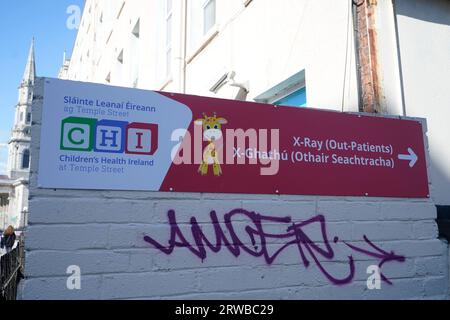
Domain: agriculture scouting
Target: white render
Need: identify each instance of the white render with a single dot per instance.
(424, 35)
(285, 46)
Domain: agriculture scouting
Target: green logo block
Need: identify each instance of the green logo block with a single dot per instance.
(77, 134)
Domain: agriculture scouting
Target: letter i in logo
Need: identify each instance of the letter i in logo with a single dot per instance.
(142, 138)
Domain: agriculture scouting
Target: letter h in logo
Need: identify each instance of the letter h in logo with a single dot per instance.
(110, 136)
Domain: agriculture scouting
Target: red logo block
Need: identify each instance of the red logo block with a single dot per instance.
(142, 138)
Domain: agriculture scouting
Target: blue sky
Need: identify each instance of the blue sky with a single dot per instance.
(20, 20)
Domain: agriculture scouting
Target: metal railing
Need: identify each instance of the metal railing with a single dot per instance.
(11, 271)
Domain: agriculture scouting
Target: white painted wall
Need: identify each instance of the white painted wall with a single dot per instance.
(102, 232)
(264, 43)
(104, 34)
(268, 42)
(424, 35)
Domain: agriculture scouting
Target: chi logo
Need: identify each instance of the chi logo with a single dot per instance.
(110, 136)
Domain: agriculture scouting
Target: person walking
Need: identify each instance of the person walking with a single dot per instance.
(8, 239)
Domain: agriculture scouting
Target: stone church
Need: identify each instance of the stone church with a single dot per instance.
(14, 185)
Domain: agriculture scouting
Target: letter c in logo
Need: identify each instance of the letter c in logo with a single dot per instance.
(70, 136)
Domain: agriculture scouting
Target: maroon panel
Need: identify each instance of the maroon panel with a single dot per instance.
(392, 144)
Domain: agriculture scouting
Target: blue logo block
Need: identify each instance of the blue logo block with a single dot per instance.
(110, 136)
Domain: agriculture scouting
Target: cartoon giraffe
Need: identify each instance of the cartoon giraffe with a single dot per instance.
(212, 131)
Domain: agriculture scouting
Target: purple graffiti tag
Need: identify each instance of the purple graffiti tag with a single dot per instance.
(380, 254)
(294, 235)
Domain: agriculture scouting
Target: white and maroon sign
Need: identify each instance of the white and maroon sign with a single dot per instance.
(102, 137)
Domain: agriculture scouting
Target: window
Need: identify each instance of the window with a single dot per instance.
(109, 37)
(290, 92)
(28, 117)
(137, 28)
(26, 159)
(120, 10)
(21, 116)
(209, 15)
(118, 72)
(168, 36)
(120, 57)
(294, 99)
(4, 201)
(202, 19)
(134, 53)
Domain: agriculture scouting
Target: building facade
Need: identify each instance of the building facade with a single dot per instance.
(14, 185)
(288, 52)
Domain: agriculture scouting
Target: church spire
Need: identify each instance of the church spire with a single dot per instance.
(30, 69)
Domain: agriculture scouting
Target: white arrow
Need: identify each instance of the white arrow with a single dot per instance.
(411, 157)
